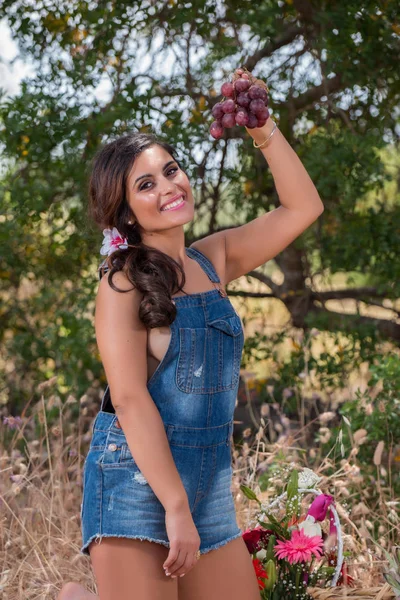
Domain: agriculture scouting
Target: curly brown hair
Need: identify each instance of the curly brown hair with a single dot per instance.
(151, 271)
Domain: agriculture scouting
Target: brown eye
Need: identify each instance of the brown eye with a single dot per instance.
(168, 172)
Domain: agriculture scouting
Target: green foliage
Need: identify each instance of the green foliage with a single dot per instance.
(104, 68)
(330, 357)
(292, 498)
(377, 409)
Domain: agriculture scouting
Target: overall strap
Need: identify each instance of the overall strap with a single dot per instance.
(204, 263)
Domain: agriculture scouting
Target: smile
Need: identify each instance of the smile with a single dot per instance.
(174, 205)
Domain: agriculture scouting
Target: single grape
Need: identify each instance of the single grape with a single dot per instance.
(263, 115)
(227, 89)
(253, 121)
(261, 122)
(216, 130)
(264, 95)
(256, 106)
(242, 117)
(217, 111)
(241, 85)
(239, 71)
(228, 120)
(255, 92)
(228, 106)
(243, 99)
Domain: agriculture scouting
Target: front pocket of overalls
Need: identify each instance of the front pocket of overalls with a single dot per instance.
(209, 357)
(116, 452)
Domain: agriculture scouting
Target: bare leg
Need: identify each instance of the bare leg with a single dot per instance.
(131, 569)
(75, 591)
(226, 572)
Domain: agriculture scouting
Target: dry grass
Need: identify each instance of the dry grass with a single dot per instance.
(374, 593)
(41, 492)
(41, 495)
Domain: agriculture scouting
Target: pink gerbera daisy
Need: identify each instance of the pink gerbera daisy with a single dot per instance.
(299, 548)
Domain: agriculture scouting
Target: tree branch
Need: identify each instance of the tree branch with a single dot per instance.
(286, 37)
(353, 293)
(346, 323)
(313, 94)
(268, 281)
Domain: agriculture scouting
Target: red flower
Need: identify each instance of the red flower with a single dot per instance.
(256, 538)
(260, 572)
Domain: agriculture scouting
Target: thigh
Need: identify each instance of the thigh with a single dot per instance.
(127, 569)
(226, 572)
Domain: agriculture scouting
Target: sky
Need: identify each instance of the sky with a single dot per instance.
(10, 74)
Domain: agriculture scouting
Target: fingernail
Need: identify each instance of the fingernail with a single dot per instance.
(166, 572)
(173, 576)
(183, 575)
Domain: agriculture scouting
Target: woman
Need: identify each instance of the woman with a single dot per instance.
(158, 473)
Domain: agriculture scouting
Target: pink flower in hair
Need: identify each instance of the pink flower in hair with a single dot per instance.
(112, 241)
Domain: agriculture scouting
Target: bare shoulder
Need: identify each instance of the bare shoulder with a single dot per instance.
(121, 338)
(213, 247)
(115, 306)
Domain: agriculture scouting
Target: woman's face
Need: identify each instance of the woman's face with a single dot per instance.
(154, 181)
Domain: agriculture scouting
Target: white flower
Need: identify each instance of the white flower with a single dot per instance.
(261, 554)
(308, 479)
(112, 241)
(310, 527)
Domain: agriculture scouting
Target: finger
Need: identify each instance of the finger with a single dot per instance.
(185, 567)
(171, 558)
(190, 562)
(177, 563)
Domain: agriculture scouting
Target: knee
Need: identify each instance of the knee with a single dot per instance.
(72, 591)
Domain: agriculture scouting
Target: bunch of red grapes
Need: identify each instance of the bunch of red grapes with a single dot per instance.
(245, 104)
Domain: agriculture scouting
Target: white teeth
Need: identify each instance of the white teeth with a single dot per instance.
(173, 204)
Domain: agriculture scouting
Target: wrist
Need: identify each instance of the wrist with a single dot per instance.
(260, 134)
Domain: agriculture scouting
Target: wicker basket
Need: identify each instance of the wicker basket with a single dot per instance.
(377, 593)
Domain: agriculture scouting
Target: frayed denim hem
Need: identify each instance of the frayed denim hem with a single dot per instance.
(215, 546)
(85, 551)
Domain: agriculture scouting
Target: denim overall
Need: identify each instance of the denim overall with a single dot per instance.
(194, 388)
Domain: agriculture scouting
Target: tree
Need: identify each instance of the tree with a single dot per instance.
(332, 70)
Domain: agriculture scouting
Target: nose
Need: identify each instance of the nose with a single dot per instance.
(169, 189)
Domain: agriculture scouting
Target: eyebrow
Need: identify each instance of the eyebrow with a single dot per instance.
(150, 175)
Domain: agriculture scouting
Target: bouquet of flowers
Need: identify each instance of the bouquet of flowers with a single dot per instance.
(292, 553)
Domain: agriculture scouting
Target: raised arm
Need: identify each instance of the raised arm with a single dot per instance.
(253, 244)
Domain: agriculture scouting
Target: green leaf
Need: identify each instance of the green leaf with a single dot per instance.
(292, 498)
(249, 493)
(270, 554)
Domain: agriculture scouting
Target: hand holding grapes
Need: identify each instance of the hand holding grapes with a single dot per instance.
(246, 100)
